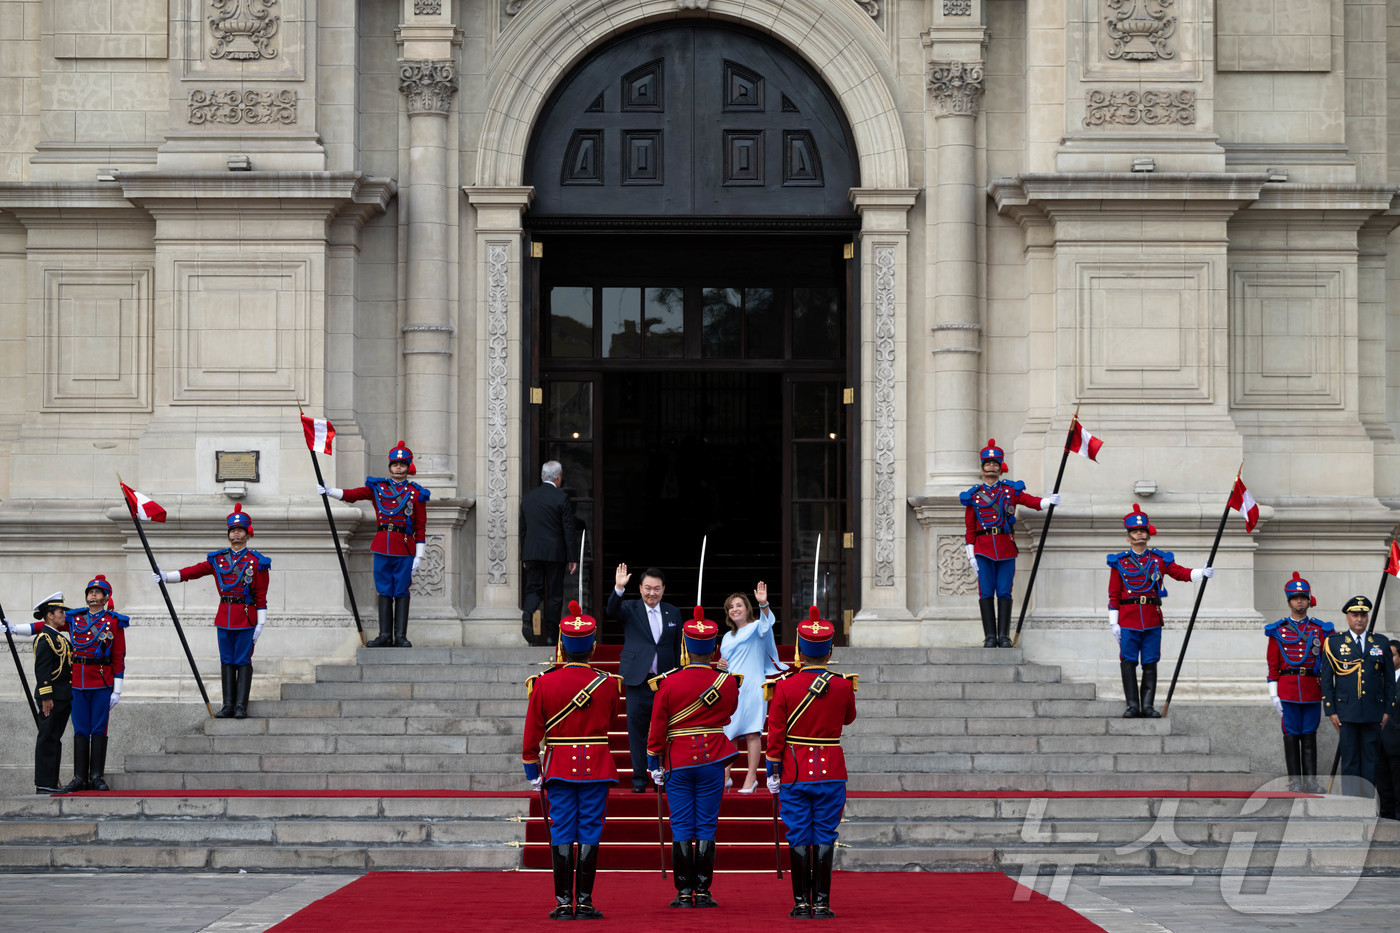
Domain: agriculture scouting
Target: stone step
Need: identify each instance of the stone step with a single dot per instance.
(348, 858)
(500, 780)
(324, 763)
(1142, 781)
(845, 658)
(384, 725)
(1100, 763)
(334, 743)
(866, 725)
(872, 744)
(246, 807)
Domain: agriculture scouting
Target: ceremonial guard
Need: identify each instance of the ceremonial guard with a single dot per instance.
(1295, 671)
(571, 709)
(807, 708)
(687, 753)
(398, 541)
(241, 575)
(990, 518)
(1358, 695)
(1135, 594)
(53, 686)
(98, 636)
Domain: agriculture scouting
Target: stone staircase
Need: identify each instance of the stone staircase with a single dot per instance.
(931, 720)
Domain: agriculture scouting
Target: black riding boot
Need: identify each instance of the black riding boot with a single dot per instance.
(1307, 758)
(1291, 761)
(245, 686)
(1003, 626)
(587, 869)
(386, 624)
(800, 867)
(97, 763)
(1149, 691)
(230, 680)
(81, 749)
(822, 857)
(1130, 689)
(704, 872)
(989, 622)
(401, 623)
(682, 870)
(562, 859)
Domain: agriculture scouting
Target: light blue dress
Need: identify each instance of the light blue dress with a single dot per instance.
(753, 652)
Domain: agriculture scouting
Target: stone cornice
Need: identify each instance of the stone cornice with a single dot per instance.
(61, 195)
(1162, 195)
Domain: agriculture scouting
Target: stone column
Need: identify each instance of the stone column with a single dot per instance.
(429, 85)
(955, 88)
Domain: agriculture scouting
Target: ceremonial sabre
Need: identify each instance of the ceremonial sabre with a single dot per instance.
(816, 564)
(1044, 530)
(582, 537)
(24, 681)
(661, 829)
(700, 580)
(777, 846)
(335, 536)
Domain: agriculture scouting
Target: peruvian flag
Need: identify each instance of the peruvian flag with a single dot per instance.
(1082, 442)
(319, 433)
(1241, 501)
(147, 510)
(1392, 566)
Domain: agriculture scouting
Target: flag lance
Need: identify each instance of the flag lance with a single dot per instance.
(320, 433)
(24, 681)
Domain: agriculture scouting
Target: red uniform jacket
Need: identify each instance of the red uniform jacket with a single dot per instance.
(241, 577)
(1135, 586)
(399, 511)
(1297, 647)
(576, 747)
(808, 742)
(990, 517)
(99, 647)
(688, 716)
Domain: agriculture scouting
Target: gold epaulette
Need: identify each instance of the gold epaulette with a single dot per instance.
(530, 685)
(854, 679)
(739, 680)
(655, 682)
(771, 683)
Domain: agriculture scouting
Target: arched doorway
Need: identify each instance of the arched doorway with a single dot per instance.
(691, 304)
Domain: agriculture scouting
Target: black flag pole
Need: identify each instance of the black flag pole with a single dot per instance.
(24, 681)
(1044, 530)
(1210, 562)
(170, 607)
(335, 536)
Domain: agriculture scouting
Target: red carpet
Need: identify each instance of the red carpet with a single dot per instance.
(731, 799)
(407, 902)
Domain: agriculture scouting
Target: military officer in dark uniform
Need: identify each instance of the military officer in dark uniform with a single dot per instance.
(688, 752)
(241, 574)
(53, 687)
(990, 518)
(570, 711)
(99, 663)
(1135, 594)
(400, 507)
(807, 708)
(1358, 695)
(1295, 668)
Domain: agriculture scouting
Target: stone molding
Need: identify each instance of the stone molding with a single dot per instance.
(957, 7)
(243, 30)
(427, 7)
(955, 574)
(249, 107)
(1127, 107)
(1139, 30)
(884, 414)
(956, 87)
(497, 435)
(429, 85)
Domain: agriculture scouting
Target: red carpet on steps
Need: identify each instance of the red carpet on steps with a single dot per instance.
(409, 902)
(762, 798)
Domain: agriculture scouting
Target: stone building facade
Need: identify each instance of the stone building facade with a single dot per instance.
(1172, 215)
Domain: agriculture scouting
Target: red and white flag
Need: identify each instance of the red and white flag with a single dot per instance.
(1082, 442)
(1241, 501)
(146, 509)
(319, 433)
(1392, 566)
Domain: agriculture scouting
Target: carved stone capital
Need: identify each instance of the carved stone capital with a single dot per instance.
(956, 87)
(428, 84)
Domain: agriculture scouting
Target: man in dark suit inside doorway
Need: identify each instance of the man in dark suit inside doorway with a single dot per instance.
(651, 644)
(546, 546)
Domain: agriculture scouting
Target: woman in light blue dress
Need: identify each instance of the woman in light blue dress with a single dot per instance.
(749, 648)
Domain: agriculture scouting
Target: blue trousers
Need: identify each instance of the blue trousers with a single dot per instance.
(693, 796)
(235, 646)
(811, 810)
(576, 810)
(994, 576)
(1301, 718)
(90, 707)
(1146, 643)
(392, 575)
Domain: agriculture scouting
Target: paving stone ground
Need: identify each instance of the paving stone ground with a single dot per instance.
(233, 903)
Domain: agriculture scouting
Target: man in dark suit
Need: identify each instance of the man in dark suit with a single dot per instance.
(1388, 759)
(651, 645)
(1358, 695)
(546, 546)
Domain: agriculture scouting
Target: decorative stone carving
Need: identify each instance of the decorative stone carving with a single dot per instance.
(955, 576)
(427, 7)
(431, 575)
(243, 29)
(884, 415)
(514, 6)
(497, 371)
(692, 4)
(957, 7)
(428, 84)
(956, 87)
(247, 108)
(1139, 29)
(1132, 108)
(870, 6)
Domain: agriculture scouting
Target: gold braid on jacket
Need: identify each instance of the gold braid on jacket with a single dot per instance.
(1344, 668)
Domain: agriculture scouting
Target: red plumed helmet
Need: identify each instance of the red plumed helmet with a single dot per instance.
(1137, 518)
(401, 454)
(993, 452)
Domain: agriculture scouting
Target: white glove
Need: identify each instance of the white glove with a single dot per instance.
(538, 782)
(659, 777)
(1273, 697)
(166, 576)
(20, 628)
(972, 556)
(1199, 572)
(116, 693)
(1053, 498)
(331, 491)
(1117, 629)
(418, 557)
(257, 629)
(774, 783)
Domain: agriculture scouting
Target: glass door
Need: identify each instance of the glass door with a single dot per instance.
(817, 477)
